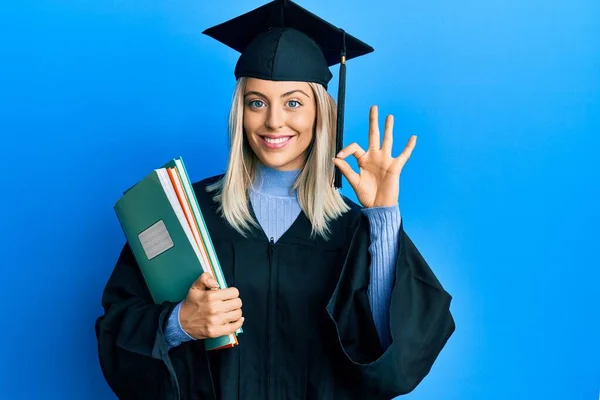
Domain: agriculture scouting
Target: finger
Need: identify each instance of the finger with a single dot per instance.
(347, 171)
(205, 281)
(232, 316)
(406, 153)
(216, 331)
(226, 328)
(388, 135)
(374, 128)
(224, 306)
(234, 326)
(225, 294)
(352, 149)
(233, 304)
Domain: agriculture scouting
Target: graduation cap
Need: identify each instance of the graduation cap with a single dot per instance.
(282, 41)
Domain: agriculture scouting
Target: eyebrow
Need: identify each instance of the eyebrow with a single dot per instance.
(253, 92)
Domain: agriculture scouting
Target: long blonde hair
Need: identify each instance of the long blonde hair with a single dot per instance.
(317, 197)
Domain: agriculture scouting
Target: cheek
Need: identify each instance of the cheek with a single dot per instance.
(303, 124)
(251, 121)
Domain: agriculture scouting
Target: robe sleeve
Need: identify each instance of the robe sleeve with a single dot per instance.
(420, 319)
(132, 348)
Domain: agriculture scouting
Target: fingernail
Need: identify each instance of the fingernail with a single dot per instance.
(213, 283)
(341, 153)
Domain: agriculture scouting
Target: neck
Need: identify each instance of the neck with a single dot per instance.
(274, 182)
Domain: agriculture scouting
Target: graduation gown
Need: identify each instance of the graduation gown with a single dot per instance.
(308, 330)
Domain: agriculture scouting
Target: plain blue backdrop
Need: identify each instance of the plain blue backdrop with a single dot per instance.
(501, 194)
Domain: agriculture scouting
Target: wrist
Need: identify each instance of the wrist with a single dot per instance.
(388, 205)
(183, 317)
(385, 201)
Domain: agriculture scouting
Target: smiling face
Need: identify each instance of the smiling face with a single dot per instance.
(279, 119)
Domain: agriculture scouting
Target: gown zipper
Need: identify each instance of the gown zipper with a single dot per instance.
(269, 362)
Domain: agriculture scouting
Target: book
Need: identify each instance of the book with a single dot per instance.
(163, 223)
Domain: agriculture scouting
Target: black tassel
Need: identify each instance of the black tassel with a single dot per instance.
(339, 138)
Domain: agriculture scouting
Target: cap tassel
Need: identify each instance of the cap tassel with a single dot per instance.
(340, 111)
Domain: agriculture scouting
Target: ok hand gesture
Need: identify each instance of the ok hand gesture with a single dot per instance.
(378, 182)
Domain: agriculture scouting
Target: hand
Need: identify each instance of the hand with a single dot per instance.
(207, 313)
(378, 184)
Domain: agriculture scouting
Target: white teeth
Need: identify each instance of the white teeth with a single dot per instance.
(276, 141)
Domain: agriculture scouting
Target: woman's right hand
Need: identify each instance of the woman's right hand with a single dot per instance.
(207, 313)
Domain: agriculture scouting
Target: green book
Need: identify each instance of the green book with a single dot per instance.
(164, 227)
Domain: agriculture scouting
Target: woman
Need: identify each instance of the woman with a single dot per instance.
(335, 300)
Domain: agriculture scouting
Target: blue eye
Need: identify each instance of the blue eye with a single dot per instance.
(256, 103)
(294, 103)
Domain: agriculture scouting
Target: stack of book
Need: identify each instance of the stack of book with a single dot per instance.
(166, 231)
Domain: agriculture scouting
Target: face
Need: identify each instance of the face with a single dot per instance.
(278, 121)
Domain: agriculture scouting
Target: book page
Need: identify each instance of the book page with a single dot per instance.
(170, 192)
(201, 224)
(183, 201)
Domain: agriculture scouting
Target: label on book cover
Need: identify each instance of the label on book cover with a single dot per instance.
(156, 240)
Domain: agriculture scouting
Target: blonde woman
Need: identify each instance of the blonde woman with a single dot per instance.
(334, 299)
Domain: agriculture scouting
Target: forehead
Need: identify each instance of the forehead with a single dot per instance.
(275, 88)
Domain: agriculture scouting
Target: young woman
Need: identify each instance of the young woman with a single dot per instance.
(335, 300)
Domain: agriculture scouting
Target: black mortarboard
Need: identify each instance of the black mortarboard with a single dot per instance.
(282, 41)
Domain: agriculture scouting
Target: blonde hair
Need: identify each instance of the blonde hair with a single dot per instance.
(319, 200)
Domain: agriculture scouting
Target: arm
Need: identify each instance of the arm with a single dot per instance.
(420, 319)
(384, 223)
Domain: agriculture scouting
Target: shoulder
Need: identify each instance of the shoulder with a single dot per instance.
(201, 187)
(355, 208)
(203, 183)
(355, 211)
(204, 196)
(350, 220)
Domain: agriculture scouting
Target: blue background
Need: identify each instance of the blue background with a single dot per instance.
(501, 194)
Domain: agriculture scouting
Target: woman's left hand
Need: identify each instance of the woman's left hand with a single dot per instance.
(378, 183)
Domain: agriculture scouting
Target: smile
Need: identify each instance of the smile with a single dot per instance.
(275, 143)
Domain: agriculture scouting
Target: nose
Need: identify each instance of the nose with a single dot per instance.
(275, 118)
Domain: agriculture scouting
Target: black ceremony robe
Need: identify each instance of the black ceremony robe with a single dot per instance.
(308, 330)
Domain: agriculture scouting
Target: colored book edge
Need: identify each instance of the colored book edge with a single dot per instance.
(179, 166)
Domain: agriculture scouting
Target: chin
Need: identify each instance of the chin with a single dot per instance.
(276, 162)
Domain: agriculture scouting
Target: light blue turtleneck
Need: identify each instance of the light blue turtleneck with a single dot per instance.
(276, 208)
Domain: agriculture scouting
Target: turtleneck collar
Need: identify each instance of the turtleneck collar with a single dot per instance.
(274, 182)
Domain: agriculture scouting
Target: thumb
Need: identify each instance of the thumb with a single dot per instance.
(205, 282)
(346, 169)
